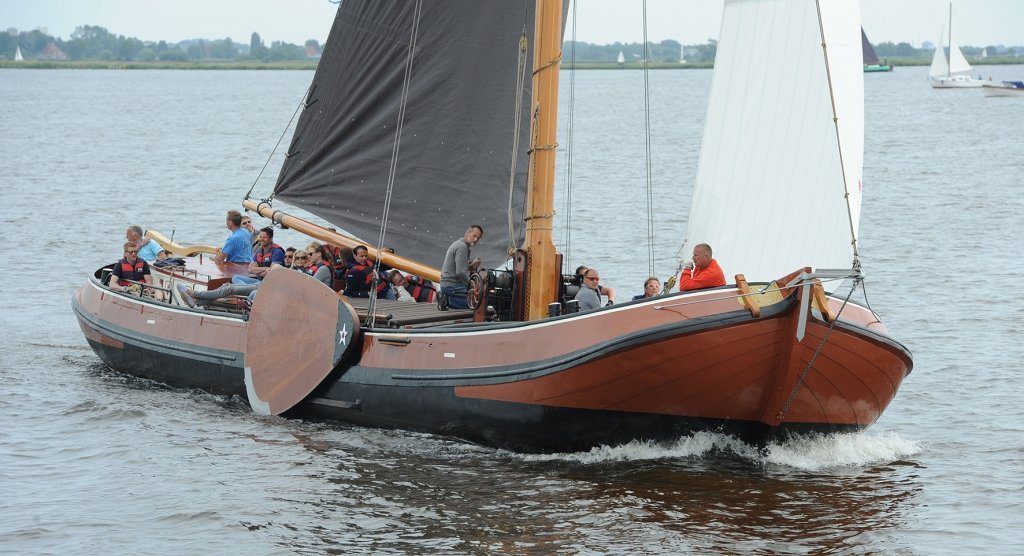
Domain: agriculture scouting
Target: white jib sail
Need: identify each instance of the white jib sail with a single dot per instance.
(939, 66)
(775, 169)
(957, 62)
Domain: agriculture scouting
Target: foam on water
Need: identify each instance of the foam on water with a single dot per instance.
(821, 452)
(812, 453)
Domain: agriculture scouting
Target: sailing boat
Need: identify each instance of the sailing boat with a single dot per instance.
(17, 54)
(871, 64)
(954, 72)
(426, 126)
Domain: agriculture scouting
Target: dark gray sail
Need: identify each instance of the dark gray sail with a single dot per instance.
(870, 58)
(457, 137)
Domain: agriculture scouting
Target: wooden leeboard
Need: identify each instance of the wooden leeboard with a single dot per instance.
(298, 331)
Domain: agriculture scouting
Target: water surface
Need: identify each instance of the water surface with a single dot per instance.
(94, 461)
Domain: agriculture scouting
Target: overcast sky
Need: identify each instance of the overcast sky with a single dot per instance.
(975, 23)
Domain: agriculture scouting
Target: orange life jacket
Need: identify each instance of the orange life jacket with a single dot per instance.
(131, 271)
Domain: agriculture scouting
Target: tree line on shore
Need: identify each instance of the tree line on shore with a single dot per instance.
(95, 43)
(91, 42)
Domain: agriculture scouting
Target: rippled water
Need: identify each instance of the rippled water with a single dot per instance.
(94, 461)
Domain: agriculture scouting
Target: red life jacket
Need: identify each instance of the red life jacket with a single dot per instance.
(421, 289)
(265, 258)
(360, 279)
(311, 269)
(131, 271)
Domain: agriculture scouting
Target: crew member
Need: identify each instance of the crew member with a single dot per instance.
(131, 267)
(457, 267)
(702, 271)
(651, 288)
(238, 247)
(589, 295)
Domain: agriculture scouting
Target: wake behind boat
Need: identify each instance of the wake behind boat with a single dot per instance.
(790, 351)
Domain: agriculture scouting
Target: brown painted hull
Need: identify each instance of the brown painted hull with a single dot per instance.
(642, 370)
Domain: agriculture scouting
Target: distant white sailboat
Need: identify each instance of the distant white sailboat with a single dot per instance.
(953, 73)
(17, 54)
(622, 58)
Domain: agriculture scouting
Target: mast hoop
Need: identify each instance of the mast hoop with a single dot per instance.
(541, 216)
(550, 147)
(554, 62)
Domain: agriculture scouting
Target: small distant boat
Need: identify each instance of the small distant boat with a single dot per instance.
(17, 54)
(953, 73)
(871, 64)
(1004, 89)
(622, 58)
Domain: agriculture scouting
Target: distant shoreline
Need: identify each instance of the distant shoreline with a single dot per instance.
(311, 65)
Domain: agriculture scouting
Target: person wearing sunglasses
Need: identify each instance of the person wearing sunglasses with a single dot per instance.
(589, 295)
(652, 287)
(131, 268)
(606, 291)
(289, 253)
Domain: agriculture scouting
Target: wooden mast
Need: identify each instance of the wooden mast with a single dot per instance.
(542, 270)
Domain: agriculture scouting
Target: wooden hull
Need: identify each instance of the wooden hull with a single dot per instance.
(642, 370)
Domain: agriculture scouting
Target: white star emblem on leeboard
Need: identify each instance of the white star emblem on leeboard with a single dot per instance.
(343, 334)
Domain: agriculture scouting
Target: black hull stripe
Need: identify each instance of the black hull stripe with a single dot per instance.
(146, 341)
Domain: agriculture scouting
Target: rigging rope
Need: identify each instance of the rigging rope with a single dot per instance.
(521, 71)
(567, 260)
(839, 143)
(393, 169)
(647, 130)
(302, 103)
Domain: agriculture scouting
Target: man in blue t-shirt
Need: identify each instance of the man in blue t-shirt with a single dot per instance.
(238, 247)
(149, 250)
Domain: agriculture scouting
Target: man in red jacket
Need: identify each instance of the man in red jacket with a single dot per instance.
(701, 272)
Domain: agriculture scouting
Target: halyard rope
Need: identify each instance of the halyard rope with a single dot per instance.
(414, 34)
(647, 136)
(521, 70)
(567, 260)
